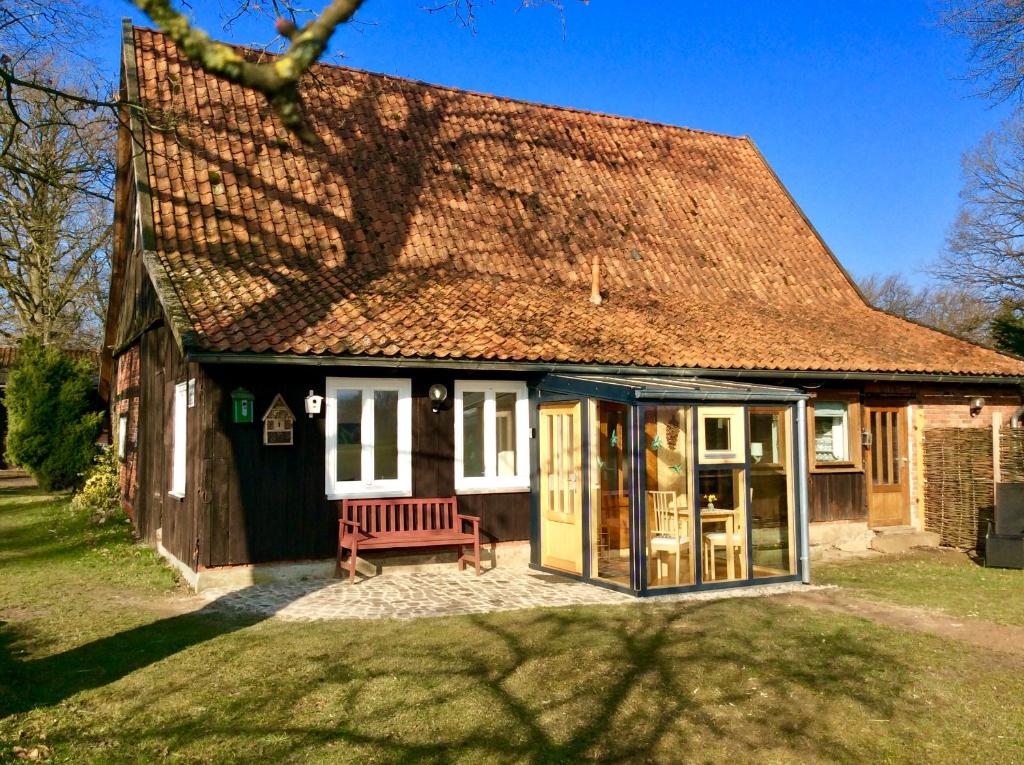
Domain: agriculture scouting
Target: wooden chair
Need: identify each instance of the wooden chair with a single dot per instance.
(670, 526)
(733, 547)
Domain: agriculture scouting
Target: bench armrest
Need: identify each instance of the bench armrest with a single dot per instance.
(474, 519)
(346, 522)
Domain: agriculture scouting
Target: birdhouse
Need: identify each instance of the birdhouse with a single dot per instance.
(313, 403)
(277, 423)
(242, 405)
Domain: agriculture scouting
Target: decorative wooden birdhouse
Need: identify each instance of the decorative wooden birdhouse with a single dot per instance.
(277, 423)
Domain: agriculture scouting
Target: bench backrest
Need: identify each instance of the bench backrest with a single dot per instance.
(379, 516)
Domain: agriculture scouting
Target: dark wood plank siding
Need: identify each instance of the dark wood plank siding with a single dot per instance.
(156, 512)
(433, 440)
(151, 426)
(268, 503)
(142, 312)
(837, 497)
(139, 305)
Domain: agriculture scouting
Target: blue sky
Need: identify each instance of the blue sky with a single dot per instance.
(858, 105)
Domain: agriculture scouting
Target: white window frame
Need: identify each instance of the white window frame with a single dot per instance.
(180, 440)
(361, 489)
(122, 437)
(844, 427)
(737, 436)
(490, 482)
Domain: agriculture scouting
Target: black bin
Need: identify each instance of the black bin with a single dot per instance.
(1004, 543)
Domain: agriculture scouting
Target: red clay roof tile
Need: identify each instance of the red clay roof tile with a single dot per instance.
(437, 223)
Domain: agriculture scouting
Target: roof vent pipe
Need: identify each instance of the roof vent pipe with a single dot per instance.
(595, 280)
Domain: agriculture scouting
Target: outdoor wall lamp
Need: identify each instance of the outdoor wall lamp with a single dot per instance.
(438, 395)
(976, 406)
(313, 404)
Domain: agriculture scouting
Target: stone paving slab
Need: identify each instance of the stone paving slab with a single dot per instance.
(431, 594)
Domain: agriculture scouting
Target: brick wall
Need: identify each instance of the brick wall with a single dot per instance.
(951, 410)
(126, 402)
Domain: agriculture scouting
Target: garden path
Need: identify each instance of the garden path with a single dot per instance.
(1002, 638)
(424, 594)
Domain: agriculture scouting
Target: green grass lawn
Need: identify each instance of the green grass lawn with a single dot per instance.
(96, 666)
(945, 580)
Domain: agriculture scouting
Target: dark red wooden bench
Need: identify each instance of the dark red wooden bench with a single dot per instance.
(387, 524)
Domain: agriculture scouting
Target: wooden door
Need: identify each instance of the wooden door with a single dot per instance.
(887, 466)
(561, 496)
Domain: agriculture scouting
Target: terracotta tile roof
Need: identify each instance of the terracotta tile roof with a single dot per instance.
(9, 354)
(437, 223)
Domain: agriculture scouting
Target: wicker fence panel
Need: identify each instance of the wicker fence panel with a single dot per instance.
(958, 484)
(1011, 452)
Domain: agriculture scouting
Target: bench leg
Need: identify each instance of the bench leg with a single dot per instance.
(352, 566)
(476, 555)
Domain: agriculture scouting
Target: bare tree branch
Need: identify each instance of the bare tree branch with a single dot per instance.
(985, 247)
(278, 80)
(994, 30)
(953, 309)
(55, 218)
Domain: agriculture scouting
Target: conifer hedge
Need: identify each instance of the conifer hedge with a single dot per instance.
(53, 417)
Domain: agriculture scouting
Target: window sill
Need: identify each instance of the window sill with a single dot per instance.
(844, 467)
(370, 494)
(720, 456)
(176, 495)
(492, 490)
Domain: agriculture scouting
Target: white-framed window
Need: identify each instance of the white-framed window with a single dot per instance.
(180, 440)
(492, 436)
(720, 435)
(122, 437)
(369, 437)
(831, 431)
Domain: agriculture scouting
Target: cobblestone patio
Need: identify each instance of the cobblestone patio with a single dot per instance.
(415, 595)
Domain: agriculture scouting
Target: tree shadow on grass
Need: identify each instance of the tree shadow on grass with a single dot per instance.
(617, 684)
(26, 685)
(37, 494)
(640, 682)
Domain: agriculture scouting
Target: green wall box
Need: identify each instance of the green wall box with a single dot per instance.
(242, 405)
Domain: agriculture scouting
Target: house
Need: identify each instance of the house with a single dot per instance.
(620, 344)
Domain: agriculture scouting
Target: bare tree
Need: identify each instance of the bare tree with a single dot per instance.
(32, 30)
(952, 309)
(985, 247)
(55, 220)
(893, 293)
(38, 37)
(994, 31)
(984, 253)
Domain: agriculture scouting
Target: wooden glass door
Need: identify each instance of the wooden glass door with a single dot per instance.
(610, 522)
(561, 496)
(887, 466)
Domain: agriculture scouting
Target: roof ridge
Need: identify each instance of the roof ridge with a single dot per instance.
(484, 94)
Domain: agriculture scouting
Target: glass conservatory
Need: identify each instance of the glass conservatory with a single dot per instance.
(666, 484)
